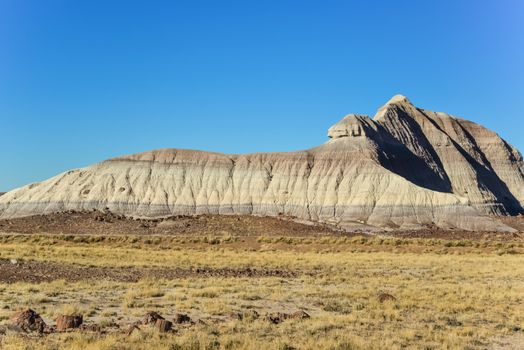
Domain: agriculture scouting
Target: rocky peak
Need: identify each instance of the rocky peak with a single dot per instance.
(398, 99)
(398, 104)
(353, 125)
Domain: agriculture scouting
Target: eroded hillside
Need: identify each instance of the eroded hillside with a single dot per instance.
(405, 168)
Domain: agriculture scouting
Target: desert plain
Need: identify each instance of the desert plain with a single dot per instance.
(245, 282)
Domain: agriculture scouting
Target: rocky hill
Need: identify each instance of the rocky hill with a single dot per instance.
(404, 168)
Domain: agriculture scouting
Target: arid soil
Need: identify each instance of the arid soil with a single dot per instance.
(35, 272)
(241, 280)
(250, 232)
(96, 222)
(517, 222)
(107, 223)
(461, 234)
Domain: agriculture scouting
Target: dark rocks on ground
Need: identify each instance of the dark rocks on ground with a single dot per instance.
(279, 317)
(151, 317)
(91, 328)
(181, 318)
(36, 272)
(163, 326)
(276, 317)
(159, 322)
(245, 315)
(385, 297)
(453, 322)
(107, 223)
(65, 322)
(28, 321)
(299, 315)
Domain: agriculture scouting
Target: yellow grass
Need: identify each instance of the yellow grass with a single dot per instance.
(463, 299)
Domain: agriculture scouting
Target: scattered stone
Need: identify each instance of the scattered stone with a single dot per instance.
(279, 317)
(245, 315)
(299, 315)
(28, 321)
(181, 318)
(453, 322)
(151, 317)
(163, 326)
(202, 322)
(385, 297)
(13, 261)
(65, 322)
(91, 328)
(276, 317)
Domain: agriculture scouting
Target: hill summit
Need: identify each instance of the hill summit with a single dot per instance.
(405, 168)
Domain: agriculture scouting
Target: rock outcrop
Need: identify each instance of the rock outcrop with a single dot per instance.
(28, 321)
(404, 168)
(65, 322)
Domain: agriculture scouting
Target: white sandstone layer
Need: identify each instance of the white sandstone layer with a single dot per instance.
(405, 168)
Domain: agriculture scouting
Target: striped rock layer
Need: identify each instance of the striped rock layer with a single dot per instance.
(405, 168)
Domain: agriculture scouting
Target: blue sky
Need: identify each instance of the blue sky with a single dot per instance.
(83, 81)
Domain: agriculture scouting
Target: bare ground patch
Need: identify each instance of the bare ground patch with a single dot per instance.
(107, 223)
(12, 271)
(96, 222)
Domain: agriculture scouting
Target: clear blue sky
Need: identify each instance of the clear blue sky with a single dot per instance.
(82, 81)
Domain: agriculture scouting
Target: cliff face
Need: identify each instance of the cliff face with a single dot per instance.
(405, 168)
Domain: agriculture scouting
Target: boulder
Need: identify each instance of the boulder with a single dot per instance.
(244, 315)
(65, 322)
(163, 326)
(181, 318)
(28, 321)
(151, 317)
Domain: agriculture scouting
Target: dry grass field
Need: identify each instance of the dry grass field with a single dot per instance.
(463, 293)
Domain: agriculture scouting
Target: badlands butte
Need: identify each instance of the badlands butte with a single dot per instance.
(405, 168)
